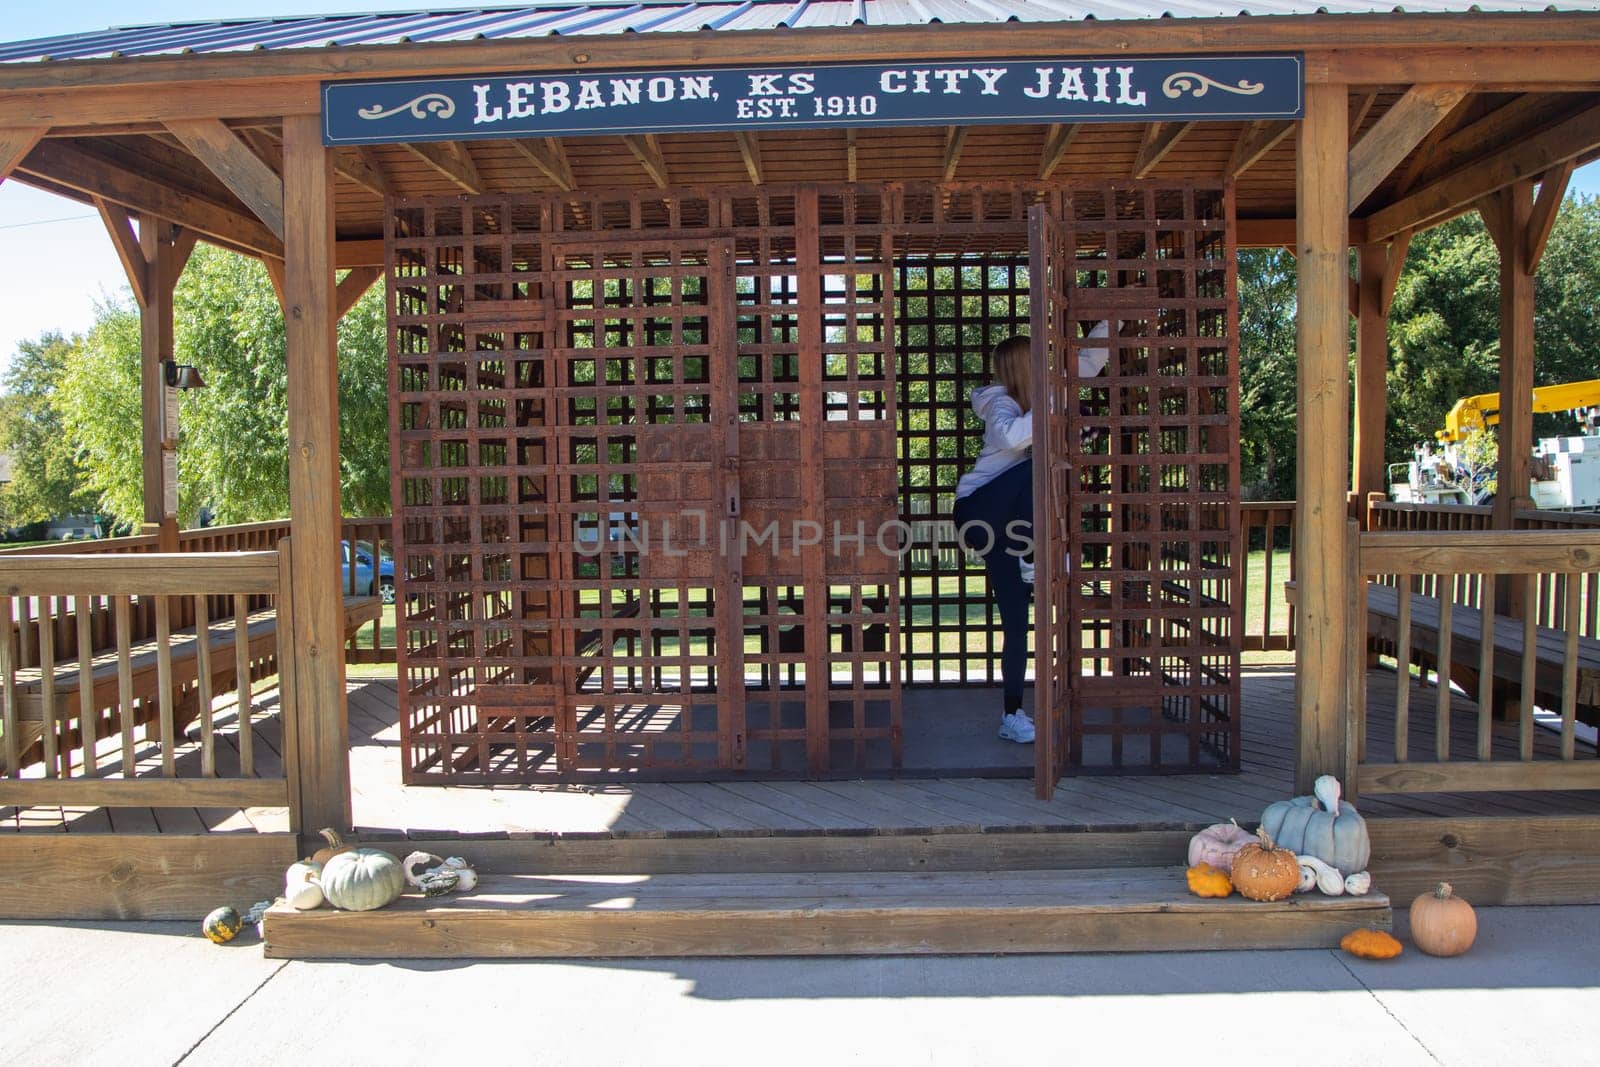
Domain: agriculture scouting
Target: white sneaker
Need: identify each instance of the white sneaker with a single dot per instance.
(1016, 727)
(1026, 567)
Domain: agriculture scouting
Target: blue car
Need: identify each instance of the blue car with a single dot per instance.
(368, 580)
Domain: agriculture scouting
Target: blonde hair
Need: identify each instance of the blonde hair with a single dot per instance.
(1013, 368)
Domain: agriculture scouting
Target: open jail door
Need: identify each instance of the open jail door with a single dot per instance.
(1136, 470)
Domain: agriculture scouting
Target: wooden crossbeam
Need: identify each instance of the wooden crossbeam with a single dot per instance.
(453, 160)
(850, 154)
(15, 144)
(550, 157)
(1255, 141)
(240, 169)
(750, 152)
(353, 286)
(1552, 190)
(1395, 264)
(1401, 129)
(955, 139)
(1572, 138)
(647, 150)
(126, 242)
(1057, 139)
(1159, 139)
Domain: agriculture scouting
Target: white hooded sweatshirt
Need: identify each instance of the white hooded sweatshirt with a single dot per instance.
(1007, 430)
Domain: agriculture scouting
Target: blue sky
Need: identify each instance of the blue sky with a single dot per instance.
(70, 264)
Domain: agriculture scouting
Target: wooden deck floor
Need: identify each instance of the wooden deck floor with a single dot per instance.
(382, 806)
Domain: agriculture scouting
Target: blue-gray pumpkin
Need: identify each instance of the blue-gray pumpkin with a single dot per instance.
(1321, 825)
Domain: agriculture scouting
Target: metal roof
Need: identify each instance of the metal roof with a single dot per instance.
(578, 18)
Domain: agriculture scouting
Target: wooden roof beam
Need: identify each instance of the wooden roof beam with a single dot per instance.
(1256, 140)
(647, 150)
(353, 286)
(550, 157)
(1570, 139)
(1395, 263)
(1360, 108)
(750, 152)
(15, 144)
(1159, 139)
(850, 154)
(362, 166)
(453, 160)
(126, 242)
(240, 169)
(1057, 139)
(1552, 190)
(1394, 136)
(955, 139)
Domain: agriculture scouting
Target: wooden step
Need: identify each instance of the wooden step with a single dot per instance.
(819, 913)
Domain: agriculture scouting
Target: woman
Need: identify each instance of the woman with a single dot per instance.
(994, 506)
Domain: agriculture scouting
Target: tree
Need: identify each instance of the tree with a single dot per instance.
(46, 479)
(1267, 369)
(233, 442)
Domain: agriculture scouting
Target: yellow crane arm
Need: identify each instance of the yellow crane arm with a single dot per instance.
(1476, 412)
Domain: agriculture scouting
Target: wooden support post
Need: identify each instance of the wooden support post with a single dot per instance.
(1321, 682)
(322, 745)
(1514, 489)
(1372, 368)
(157, 441)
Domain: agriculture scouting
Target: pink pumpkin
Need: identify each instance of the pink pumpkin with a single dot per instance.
(1217, 845)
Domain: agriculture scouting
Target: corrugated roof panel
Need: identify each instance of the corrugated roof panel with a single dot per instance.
(598, 17)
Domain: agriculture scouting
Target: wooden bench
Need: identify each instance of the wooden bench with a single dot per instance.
(105, 671)
(1466, 626)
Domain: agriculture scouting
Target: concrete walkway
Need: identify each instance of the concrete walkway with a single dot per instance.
(158, 993)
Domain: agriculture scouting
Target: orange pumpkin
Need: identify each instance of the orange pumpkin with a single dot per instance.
(1207, 881)
(1371, 945)
(1442, 924)
(1263, 871)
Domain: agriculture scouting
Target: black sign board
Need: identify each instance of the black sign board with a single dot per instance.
(906, 93)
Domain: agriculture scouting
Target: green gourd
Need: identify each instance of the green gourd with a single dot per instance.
(362, 879)
(1322, 826)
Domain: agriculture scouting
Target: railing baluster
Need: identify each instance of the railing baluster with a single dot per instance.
(1441, 742)
(25, 656)
(125, 682)
(241, 661)
(1530, 662)
(202, 652)
(1569, 677)
(1486, 643)
(169, 740)
(1402, 672)
(8, 688)
(48, 723)
(88, 712)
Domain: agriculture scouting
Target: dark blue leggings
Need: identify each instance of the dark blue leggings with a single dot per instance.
(983, 518)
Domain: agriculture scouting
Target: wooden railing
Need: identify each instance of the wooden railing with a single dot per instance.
(1268, 617)
(136, 723)
(1426, 596)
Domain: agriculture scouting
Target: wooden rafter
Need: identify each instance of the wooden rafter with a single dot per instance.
(353, 286)
(264, 145)
(850, 154)
(955, 139)
(1159, 139)
(1572, 138)
(15, 144)
(1360, 108)
(1552, 190)
(362, 166)
(1057, 139)
(453, 160)
(647, 150)
(750, 152)
(126, 242)
(240, 169)
(548, 154)
(1255, 141)
(1394, 136)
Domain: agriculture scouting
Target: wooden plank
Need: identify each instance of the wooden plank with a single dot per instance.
(647, 150)
(818, 913)
(1569, 672)
(1491, 552)
(125, 684)
(955, 139)
(225, 155)
(1512, 861)
(126, 243)
(750, 152)
(1369, 471)
(1057, 139)
(453, 160)
(8, 686)
(141, 574)
(1572, 138)
(203, 695)
(1160, 138)
(88, 714)
(164, 693)
(361, 165)
(320, 758)
(353, 286)
(1470, 776)
(1486, 653)
(850, 168)
(1530, 665)
(1323, 389)
(50, 717)
(1514, 467)
(1255, 141)
(15, 144)
(1552, 191)
(156, 346)
(1397, 133)
(148, 792)
(138, 876)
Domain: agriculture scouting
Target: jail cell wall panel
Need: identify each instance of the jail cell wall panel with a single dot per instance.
(1152, 487)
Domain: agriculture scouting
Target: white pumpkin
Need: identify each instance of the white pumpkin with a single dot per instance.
(1321, 825)
(1217, 845)
(302, 885)
(1329, 881)
(362, 879)
(1358, 884)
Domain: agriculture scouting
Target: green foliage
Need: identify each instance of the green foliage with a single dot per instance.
(46, 480)
(1267, 369)
(233, 442)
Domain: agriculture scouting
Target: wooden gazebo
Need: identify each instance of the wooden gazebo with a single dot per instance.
(667, 259)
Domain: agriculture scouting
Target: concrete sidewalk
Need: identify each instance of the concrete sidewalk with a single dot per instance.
(158, 993)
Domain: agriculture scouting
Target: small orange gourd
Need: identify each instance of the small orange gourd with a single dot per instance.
(1371, 945)
(1264, 871)
(1207, 881)
(1442, 924)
